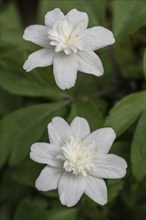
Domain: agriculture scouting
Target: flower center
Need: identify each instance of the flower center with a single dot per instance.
(66, 37)
(77, 157)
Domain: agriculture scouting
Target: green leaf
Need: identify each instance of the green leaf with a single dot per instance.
(11, 34)
(8, 186)
(139, 211)
(138, 150)
(114, 187)
(89, 208)
(89, 110)
(60, 214)
(6, 104)
(125, 112)
(5, 212)
(88, 87)
(125, 59)
(144, 63)
(27, 172)
(35, 84)
(24, 127)
(30, 209)
(129, 16)
(121, 148)
(95, 10)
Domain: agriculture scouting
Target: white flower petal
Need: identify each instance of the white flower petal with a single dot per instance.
(76, 17)
(45, 153)
(65, 70)
(96, 189)
(80, 127)
(71, 188)
(38, 35)
(103, 137)
(89, 62)
(59, 131)
(109, 166)
(54, 136)
(48, 179)
(99, 37)
(40, 58)
(52, 16)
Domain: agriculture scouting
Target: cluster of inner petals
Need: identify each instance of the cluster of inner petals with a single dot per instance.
(78, 158)
(66, 37)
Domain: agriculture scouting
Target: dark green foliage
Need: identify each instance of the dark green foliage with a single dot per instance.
(138, 150)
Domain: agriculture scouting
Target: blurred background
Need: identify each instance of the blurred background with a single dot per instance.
(30, 100)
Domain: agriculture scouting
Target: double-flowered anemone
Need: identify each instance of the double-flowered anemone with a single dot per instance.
(77, 161)
(67, 44)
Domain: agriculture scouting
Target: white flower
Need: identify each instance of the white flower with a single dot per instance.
(68, 45)
(77, 161)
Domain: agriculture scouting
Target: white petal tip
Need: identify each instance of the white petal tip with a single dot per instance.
(25, 67)
(112, 40)
(63, 87)
(103, 203)
(101, 74)
(97, 73)
(26, 35)
(123, 173)
(33, 146)
(111, 132)
(110, 35)
(39, 188)
(38, 185)
(31, 156)
(26, 70)
(65, 203)
(124, 165)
